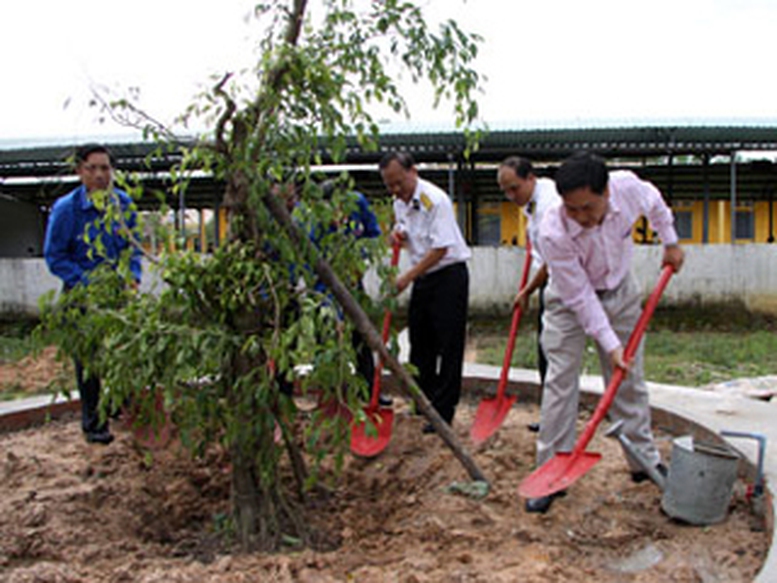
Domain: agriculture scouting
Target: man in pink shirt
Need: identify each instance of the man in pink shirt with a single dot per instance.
(587, 245)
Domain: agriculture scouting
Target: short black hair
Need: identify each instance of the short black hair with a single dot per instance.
(522, 166)
(404, 158)
(83, 152)
(582, 170)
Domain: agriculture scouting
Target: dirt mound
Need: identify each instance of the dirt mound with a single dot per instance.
(78, 512)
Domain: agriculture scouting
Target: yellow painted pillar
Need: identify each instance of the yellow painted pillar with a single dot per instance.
(203, 233)
(223, 225)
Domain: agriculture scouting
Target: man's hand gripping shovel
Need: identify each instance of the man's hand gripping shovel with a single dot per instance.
(565, 468)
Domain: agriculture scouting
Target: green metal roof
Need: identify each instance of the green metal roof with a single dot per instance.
(559, 143)
(37, 173)
(440, 145)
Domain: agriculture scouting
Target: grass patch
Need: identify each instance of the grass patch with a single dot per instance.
(685, 346)
(15, 341)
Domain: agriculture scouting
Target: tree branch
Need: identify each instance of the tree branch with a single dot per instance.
(229, 111)
(142, 117)
(370, 335)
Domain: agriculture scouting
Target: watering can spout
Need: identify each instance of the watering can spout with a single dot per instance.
(657, 477)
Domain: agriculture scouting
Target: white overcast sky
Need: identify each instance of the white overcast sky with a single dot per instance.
(547, 62)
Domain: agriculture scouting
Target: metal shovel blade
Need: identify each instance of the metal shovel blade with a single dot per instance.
(557, 474)
(333, 408)
(489, 417)
(365, 445)
(155, 435)
(151, 437)
(492, 411)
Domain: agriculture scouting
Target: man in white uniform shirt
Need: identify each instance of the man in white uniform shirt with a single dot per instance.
(519, 183)
(587, 245)
(426, 225)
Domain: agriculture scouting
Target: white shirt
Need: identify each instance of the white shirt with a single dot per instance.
(543, 197)
(429, 223)
(583, 261)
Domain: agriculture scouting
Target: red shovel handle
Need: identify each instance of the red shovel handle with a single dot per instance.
(628, 353)
(386, 329)
(508, 357)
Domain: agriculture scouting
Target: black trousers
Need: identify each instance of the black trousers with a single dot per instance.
(89, 392)
(438, 322)
(365, 362)
(89, 388)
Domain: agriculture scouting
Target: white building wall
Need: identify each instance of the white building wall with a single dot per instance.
(712, 273)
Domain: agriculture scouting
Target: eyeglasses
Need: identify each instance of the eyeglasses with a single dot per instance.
(95, 167)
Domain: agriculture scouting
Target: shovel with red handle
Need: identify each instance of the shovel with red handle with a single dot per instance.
(156, 433)
(382, 418)
(564, 469)
(492, 410)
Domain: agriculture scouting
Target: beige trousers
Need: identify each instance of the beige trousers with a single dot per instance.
(563, 341)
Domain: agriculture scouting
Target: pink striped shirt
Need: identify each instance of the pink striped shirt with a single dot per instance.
(583, 261)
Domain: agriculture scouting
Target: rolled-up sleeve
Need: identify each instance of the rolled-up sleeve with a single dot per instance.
(652, 205)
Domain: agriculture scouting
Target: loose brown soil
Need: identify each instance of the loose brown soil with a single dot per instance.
(77, 512)
(33, 375)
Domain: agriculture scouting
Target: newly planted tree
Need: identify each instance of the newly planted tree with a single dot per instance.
(225, 331)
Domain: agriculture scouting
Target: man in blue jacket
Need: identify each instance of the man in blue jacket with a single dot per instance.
(72, 253)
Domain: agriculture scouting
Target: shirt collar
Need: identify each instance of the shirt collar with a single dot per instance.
(415, 201)
(573, 227)
(83, 198)
(530, 207)
(576, 230)
(85, 201)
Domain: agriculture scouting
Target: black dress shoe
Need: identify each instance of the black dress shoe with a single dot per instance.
(385, 400)
(533, 427)
(542, 504)
(641, 476)
(103, 437)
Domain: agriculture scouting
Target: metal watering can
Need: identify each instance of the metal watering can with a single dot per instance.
(700, 482)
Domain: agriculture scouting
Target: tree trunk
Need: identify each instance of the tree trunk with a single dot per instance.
(261, 516)
(246, 507)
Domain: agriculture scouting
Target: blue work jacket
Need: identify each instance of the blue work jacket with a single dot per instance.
(68, 254)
